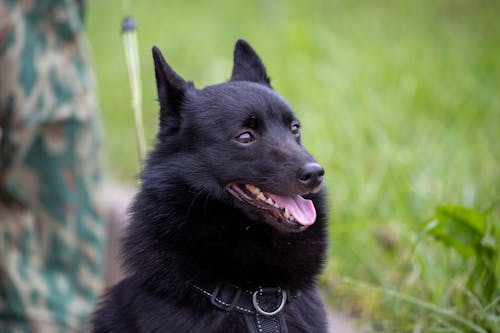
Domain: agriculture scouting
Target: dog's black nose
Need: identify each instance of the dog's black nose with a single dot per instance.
(311, 175)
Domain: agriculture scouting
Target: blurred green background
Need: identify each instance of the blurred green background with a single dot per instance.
(399, 100)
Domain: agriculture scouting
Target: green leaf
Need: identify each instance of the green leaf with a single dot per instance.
(459, 228)
(463, 215)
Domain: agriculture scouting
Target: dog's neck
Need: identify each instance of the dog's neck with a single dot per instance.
(215, 247)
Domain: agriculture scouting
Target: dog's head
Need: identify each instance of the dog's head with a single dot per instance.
(239, 141)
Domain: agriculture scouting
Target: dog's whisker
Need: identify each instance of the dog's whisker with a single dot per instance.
(194, 200)
(247, 228)
(206, 203)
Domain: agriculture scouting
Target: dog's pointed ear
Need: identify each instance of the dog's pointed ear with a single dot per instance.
(247, 65)
(171, 87)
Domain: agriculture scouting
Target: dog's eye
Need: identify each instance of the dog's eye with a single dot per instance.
(295, 128)
(245, 137)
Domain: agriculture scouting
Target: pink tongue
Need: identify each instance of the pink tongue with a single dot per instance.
(302, 210)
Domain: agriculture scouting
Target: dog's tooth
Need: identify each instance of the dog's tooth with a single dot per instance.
(287, 213)
(254, 189)
(261, 196)
(270, 201)
(250, 187)
(289, 216)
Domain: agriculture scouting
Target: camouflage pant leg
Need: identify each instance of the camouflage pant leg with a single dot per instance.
(51, 233)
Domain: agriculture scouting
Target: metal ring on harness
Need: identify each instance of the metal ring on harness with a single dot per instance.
(265, 313)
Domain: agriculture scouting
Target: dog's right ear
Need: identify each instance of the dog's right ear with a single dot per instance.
(171, 90)
(247, 65)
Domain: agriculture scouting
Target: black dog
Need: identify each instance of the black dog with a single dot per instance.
(228, 231)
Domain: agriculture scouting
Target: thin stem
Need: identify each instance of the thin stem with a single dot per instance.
(133, 68)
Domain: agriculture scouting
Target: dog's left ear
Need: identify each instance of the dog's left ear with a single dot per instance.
(247, 65)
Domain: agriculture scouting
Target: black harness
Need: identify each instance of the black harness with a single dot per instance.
(262, 308)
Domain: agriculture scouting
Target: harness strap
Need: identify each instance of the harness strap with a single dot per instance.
(263, 324)
(261, 309)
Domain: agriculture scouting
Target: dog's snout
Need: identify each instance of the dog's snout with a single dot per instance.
(311, 175)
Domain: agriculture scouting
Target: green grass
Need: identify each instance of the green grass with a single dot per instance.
(399, 100)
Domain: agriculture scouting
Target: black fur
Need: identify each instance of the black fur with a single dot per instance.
(186, 228)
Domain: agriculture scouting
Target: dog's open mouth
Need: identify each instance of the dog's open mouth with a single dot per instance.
(295, 211)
